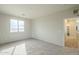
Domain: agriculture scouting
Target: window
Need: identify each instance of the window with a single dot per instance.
(21, 26)
(16, 25)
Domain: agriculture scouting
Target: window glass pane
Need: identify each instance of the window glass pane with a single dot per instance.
(13, 25)
(21, 26)
(21, 23)
(21, 30)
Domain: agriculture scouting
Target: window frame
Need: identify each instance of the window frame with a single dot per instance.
(17, 25)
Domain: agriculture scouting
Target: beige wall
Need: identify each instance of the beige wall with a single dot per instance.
(51, 28)
(6, 35)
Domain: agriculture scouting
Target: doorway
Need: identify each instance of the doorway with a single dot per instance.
(71, 32)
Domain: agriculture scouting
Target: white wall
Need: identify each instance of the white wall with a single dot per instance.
(51, 28)
(48, 28)
(6, 35)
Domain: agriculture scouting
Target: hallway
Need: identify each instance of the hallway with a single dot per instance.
(35, 47)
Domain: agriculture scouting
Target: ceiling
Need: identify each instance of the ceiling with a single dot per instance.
(32, 10)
